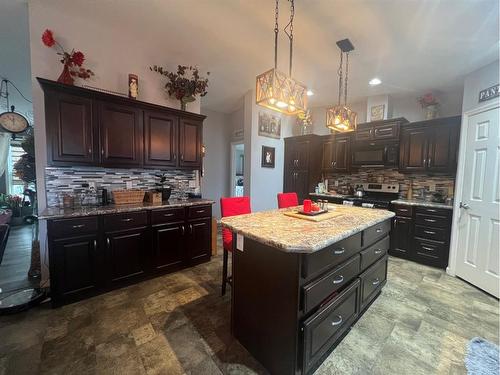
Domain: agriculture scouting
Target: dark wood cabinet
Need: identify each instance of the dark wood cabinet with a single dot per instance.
(302, 165)
(379, 130)
(88, 127)
(401, 236)
(121, 135)
(70, 129)
(430, 146)
(335, 153)
(168, 246)
(199, 241)
(190, 135)
(160, 139)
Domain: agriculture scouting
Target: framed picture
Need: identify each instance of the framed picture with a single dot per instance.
(377, 112)
(267, 157)
(269, 125)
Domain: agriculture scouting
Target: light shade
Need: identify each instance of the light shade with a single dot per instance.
(341, 118)
(280, 92)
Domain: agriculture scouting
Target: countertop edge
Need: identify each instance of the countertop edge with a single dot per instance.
(422, 204)
(313, 249)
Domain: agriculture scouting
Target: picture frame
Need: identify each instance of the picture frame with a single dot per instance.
(269, 125)
(377, 112)
(268, 157)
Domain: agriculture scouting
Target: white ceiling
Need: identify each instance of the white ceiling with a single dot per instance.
(412, 45)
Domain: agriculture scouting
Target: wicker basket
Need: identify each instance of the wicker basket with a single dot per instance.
(128, 196)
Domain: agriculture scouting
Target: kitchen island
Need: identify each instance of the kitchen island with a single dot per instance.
(298, 285)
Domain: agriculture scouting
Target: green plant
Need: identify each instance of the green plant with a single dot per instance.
(25, 167)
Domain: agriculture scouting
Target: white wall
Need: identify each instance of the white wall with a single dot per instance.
(216, 163)
(478, 80)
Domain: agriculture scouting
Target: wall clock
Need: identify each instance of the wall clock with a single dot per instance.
(13, 122)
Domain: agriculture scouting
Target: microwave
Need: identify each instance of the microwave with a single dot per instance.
(375, 154)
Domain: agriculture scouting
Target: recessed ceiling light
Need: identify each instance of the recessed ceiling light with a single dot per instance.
(310, 93)
(375, 81)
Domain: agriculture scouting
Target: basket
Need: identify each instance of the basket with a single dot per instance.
(128, 196)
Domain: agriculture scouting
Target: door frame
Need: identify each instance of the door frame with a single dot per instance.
(459, 180)
(233, 166)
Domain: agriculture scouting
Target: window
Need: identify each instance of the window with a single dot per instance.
(14, 184)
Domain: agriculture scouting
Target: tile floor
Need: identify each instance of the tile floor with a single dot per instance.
(179, 324)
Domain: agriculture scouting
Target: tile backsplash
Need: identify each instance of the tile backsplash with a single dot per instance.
(444, 183)
(60, 181)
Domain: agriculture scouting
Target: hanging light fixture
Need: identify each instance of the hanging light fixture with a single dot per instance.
(340, 117)
(276, 90)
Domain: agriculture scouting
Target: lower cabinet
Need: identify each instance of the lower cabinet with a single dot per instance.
(402, 236)
(90, 255)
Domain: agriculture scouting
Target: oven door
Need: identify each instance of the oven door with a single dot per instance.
(375, 154)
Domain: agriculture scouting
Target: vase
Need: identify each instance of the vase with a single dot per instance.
(431, 112)
(66, 77)
(183, 105)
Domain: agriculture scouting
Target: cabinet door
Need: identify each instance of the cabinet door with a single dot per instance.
(290, 155)
(302, 185)
(402, 237)
(168, 247)
(364, 134)
(328, 159)
(341, 155)
(126, 254)
(389, 131)
(121, 135)
(199, 240)
(74, 266)
(190, 133)
(414, 146)
(443, 143)
(160, 139)
(70, 130)
(302, 151)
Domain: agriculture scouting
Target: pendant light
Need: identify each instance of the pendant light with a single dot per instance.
(340, 117)
(276, 90)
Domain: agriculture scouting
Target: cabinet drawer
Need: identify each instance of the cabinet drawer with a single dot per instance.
(434, 211)
(324, 328)
(363, 134)
(167, 215)
(196, 212)
(372, 280)
(374, 252)
(385, 132)
(435, 234)
(431, 221)
(125, 221)
(435, 252)
(406, 211)
(315, 263)
(315, 292)
(375, 232)
(72, 227)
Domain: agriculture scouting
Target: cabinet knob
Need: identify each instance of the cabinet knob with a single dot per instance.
(338, 280)
(90, 151)
(182, 157)
(338, 321)
(376, 281)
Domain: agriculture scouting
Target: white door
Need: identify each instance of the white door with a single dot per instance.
(479, 222)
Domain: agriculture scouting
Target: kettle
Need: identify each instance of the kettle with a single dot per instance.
(360, 192)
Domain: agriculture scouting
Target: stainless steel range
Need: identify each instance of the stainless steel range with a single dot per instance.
(373, 195)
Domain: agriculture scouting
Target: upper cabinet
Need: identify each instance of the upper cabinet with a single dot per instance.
(430, 146)
(336, 153)
(379, 130)
(87, 127)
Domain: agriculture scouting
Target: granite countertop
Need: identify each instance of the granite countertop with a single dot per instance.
(327, 195)
(302, 236)
(416, 202)
(57, 213)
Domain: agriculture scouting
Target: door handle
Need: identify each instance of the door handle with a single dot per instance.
(339, 280)
(338, 321)
(465, 206)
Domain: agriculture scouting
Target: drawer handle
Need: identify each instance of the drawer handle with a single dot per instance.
(427, 248)
(339, 251)
(403, 209)
(339, 280)
(338, 321)
(108, 243)
(430, 220)
(430, 210)
(379, 230)
(378, 251)
(78, 226)
(168, 215)
(376, 281)
(429, 232)
(127, 219)
(200, 211)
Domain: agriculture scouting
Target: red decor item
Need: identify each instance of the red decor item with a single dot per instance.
(307, 205)
(286, 200)
(232, 207)
(72, 61)
(315, 207)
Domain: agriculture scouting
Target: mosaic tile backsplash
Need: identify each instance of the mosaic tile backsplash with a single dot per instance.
(443, 183)
(61, 181)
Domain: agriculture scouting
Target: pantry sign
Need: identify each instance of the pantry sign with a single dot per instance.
(489, 93)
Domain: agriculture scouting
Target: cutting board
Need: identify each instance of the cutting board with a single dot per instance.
(317, 219)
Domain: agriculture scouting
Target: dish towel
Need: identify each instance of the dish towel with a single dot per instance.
(482, 357)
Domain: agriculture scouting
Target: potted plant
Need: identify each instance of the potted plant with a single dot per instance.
(430, 104)
(185, 84)
(162, 187)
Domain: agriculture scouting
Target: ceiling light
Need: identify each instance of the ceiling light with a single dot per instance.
(276, 90)
(375, 81)
(310, 93)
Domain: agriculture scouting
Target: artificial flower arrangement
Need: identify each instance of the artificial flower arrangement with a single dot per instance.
(72, 61)
(427, 100)
(182, 86)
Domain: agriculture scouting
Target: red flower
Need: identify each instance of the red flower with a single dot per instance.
(78, 58)
(48, 38)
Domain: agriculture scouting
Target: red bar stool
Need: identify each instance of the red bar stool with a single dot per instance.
(287, 200)
(231, 207)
